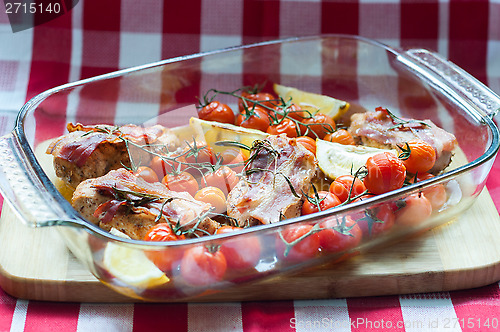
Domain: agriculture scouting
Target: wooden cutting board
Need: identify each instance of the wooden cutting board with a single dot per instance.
(35, 264)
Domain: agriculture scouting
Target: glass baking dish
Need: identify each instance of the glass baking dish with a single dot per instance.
(413, 83)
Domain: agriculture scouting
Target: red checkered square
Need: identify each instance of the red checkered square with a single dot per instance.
(305, 20)
(468, 38)
(222, 18)
(340, 17)
(261, 20)
(144, 16)
(380, 20)
(102, 15)
(182, 17)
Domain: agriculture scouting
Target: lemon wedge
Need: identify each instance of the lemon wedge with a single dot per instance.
(330, 106)
(212, 132)
(132, 267)
(336, 159)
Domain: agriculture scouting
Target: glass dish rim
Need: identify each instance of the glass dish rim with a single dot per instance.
(76, 220)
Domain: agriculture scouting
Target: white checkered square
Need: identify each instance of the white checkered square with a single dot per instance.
(302, 59)
(214, 42)
(139, 48)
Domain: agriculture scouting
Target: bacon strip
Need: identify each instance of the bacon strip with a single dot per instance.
(78, 151)
(265, 195)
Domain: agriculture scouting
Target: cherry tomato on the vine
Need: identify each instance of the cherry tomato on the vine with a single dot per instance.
(199, 153)
(166, 166)
(147, 174)
(376, 221)
(318, 126)
(340, 136)
(339, 234)
(344, 184)
(293, 111)
(163, 259)
(203, 266)
(436, 194)
(307, 142)
(302, 243)
(386, 172)
(256, 118)
(234, 159)
(285, 126)
(413, 210)
(213, 196)
(223, 178)
(259, 99)
(418, 156)
(217, 111)
(183, 181)
(325, 200)
(241, 253)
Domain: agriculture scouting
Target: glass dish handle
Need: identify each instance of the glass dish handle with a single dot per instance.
(25, 193)
(481, 98)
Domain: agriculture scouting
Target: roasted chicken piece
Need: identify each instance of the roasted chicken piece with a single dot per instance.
(382, 129)
(276, 177)
(126, 202)
(91, 151)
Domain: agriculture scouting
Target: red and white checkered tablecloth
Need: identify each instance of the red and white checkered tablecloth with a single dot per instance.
(102, 36)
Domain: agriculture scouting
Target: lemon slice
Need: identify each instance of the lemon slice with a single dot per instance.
(336, 159)
(312, 101)
(132, 267)
(212, 132)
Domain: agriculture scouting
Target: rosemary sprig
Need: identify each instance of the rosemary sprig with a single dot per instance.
(399, 122)
(134, 197)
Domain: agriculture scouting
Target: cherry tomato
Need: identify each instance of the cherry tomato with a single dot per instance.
(183, 181)
(264, 100)
(418, 156)
(292, 111)
(217, 111)
(234, 158)
(306, 247)
(166, 166)
(340, 136)
(307, 142)
(436, 194)
(213, 196)
(385, 173)
(254, 119)
(202, 266)
(414, 210)
(286, 126)
(223, 178)
(167, 258)
(345, 184)
(376, 221)
(199, 153)
(147, 174)
(325, 199)
(339, 234)
(241, 253)
(318, 126)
